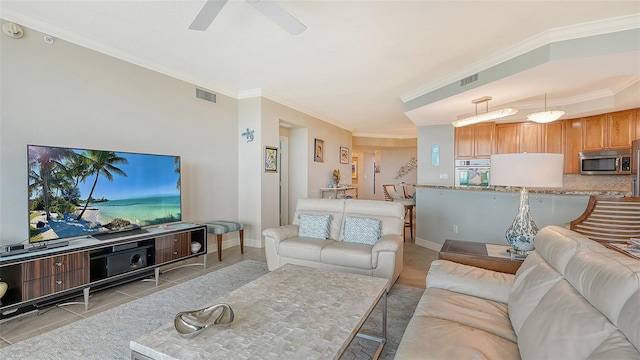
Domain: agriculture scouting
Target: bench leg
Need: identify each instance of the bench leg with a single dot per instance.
(219, 247)
(241, 241)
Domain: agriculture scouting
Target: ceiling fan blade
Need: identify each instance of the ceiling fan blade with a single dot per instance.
(206, 15)
(278, 15)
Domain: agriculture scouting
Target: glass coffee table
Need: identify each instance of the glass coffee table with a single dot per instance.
(294, 312)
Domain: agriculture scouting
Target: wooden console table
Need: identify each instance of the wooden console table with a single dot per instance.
(475, 254)
(47, 277)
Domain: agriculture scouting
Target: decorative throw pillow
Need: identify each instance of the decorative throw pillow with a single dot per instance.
(362, 230)
(314, 226)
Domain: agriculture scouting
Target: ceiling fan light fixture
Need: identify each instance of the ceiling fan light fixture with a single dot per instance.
(486, 116)
(545, 116)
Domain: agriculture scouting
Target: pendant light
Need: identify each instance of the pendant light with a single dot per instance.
(545, 116)
(486, 116)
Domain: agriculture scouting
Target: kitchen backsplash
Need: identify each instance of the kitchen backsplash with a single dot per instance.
(597, 182)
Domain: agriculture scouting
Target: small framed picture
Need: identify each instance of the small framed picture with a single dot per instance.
(354, 169)
(318, 150)
(270, 159)
(344, 155)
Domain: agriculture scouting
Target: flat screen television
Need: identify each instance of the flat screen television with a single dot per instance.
(80, 192)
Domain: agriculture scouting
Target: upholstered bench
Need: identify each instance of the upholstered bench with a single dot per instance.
(223, 227)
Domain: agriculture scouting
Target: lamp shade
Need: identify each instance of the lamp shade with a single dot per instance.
(538, 170)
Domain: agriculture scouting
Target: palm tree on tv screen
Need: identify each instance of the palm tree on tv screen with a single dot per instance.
(46, 160)
(102, 162)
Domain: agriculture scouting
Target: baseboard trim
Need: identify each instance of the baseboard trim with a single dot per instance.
(428, 244)
(231, 242)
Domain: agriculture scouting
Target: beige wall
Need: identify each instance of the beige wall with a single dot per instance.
(67, 95)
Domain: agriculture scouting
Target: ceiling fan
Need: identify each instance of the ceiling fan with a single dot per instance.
(268, 8)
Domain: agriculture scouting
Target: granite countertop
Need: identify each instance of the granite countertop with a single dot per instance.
(561, 191)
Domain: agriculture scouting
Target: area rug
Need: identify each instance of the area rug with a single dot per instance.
(106, 335)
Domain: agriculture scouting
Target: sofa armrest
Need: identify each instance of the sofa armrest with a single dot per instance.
(470, 280)
(281, 233)
(391, 243)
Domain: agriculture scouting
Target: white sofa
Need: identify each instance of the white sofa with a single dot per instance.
(572, 298)
(384, 259)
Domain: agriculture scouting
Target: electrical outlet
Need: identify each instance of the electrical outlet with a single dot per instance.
(455, 229)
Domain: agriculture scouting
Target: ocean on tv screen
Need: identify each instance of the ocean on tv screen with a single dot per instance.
(120, 191)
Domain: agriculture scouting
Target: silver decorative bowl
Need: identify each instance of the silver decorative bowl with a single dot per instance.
(192, 323)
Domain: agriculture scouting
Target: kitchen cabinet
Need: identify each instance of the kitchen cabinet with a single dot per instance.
(531, 137)
(611, 131)
(519, 138)
(474, 141)
(507, 139)
(573, 145)
(554, 138)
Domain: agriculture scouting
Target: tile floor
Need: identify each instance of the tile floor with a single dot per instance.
(417, 261)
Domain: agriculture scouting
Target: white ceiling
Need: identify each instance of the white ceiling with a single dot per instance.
(358, 60)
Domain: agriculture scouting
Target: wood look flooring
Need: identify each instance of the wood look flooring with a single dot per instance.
(417, 260)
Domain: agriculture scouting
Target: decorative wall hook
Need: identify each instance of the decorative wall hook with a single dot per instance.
(248, 134)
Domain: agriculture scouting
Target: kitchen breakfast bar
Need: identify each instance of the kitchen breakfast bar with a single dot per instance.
(483, 214)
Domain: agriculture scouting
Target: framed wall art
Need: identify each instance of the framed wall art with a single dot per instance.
(318, 150)
(344, 155)
(270, 159)
(354, 168)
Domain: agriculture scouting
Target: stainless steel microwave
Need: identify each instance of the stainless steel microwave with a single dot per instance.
(612, 162)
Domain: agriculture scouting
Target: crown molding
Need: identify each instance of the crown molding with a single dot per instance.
(547, 37)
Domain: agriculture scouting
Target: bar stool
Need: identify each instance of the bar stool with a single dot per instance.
(220, 227)
(390, 194)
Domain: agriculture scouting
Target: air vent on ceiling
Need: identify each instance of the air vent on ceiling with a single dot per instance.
(205, 95)
(469, 79)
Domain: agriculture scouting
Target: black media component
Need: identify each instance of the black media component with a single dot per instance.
(124, 261)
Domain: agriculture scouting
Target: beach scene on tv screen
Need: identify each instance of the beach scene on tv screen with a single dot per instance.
(76, 192)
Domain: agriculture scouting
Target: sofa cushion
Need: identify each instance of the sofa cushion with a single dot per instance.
(629, 319)
(302, 248)
(347, 254)
(469, 280)
(483, 314)
(533, 280)
(563, 326)
(597, 275)
(362, 230)
(314, 226)
(333, 207)
(391, 214)
(432, 338)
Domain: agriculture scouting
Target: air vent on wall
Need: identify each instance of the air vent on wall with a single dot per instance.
(205, 95)
(469, 79)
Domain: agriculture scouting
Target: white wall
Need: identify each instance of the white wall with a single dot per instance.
(66, 95)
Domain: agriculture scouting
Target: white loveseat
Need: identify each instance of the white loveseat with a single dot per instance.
(383, 259)
(572, 298)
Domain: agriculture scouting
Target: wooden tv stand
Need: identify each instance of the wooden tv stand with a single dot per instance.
(47, 277)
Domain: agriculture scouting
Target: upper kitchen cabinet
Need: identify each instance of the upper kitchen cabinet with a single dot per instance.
(572, 145)
(554, 137)
(474, 141)
(609, 131)
(519, 138)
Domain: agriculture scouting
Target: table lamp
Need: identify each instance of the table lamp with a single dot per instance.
(538, 170)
